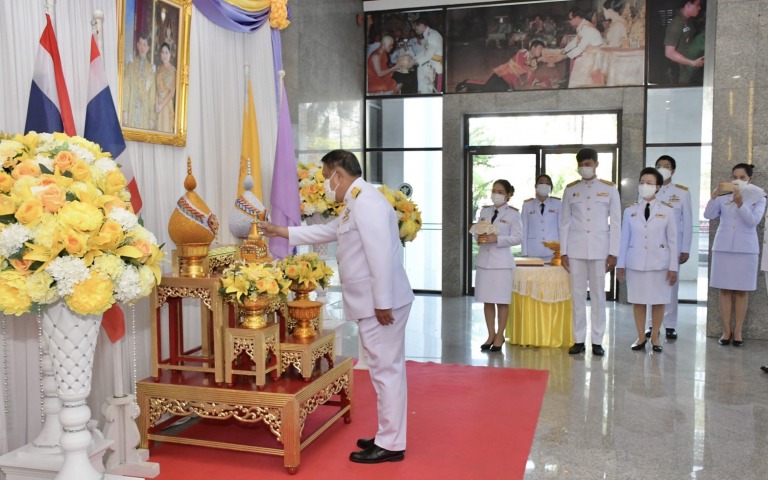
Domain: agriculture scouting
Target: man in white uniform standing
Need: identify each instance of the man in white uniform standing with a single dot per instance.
(590, 234)
(680, 198)
(430, 61)
(375, 291)
(582, 50)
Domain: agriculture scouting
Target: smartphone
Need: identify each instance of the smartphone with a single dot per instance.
(727, 188)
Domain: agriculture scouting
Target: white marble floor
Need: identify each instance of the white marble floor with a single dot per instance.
(696, 411)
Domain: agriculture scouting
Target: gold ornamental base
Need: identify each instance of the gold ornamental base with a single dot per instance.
(252, 312)
(192, 260)
(301, 290)
(304, 312)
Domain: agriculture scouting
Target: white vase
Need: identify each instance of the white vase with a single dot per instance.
(72, 342)
(48, 439)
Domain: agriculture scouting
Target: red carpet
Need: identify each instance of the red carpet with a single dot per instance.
(465, 423)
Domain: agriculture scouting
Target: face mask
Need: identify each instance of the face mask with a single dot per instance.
(587, 172)
(646, 191)
(330, 193)
(498, 199)
(740, 183)
(543, 189)
(666, 173)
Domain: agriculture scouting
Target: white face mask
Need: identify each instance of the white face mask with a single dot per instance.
(543, 189)
(740, 183)
(498, 199)
(330, 193)
(587, 172)
(646, 191)
(666, 173)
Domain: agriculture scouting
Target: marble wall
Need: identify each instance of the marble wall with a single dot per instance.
(739, 81)
(630, 102)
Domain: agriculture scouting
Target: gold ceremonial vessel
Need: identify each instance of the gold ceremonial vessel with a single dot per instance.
(304, 312)
(252, 311)
(301, 290)
(555, 247)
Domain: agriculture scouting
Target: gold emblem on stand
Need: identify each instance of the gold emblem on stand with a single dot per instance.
(555, 247)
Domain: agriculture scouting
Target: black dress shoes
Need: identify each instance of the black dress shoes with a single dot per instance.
(764, 368)
(638, 346)
(724, 341)
(376, 454)
(656, 348)
(648, 332)
(672, 334)
(598, 350)
(365, 443)
(576, 349)
(738, 343)
(486, 346)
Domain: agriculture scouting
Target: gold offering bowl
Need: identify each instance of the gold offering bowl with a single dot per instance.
(304, 312)
(301, 290)
(252, 311)
(192, 258)
(555, 247)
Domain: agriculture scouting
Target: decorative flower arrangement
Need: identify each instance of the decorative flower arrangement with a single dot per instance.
(408, 214)
(307, 269)
(67, 230)
(312, 193)
(253, 280)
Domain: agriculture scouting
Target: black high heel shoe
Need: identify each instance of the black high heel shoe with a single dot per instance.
(486, 346)
(638, 346)
(656, 348)
(724, 341)
(497, 348)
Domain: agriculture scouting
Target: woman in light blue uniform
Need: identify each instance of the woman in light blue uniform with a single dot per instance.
(740, 207)
(648, 256)
(541, 220)
(494, 264)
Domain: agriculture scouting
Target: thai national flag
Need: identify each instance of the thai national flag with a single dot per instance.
(49, 108)
(101, 122)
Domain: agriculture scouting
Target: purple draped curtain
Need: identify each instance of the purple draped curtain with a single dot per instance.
(230, 17)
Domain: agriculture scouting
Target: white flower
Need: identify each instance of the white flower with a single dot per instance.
(141, 233)
(147, 281)
(125, 218)
(12, 238)
(105, 165)
(68, 272)
(127, 284)
(82, 153)
(45, 161)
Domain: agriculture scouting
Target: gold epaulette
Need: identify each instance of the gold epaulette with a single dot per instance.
(355, 192)
(667, 204)
(556, 198)
(607, 182)
(681, 187)
(572, 183)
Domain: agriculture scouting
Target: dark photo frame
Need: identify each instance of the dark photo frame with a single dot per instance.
(676, 37)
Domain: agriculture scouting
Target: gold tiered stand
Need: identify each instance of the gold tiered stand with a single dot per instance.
(556, 258)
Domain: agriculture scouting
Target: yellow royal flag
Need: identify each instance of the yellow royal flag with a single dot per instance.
(250, 148)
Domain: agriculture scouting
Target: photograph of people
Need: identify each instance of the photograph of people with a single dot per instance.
(519, 73)
(582, 50)
(430, 61)
(166, 90)
(541, 220)
(617, 32)
(379, 72)
(676, 44)
(680, 198)
(139, 89)
(648, 258)
(740, 206)
(493, 280)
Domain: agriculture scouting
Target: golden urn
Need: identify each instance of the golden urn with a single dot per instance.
(555, 247)
(252, 311)
(301, 290)
(304, 312)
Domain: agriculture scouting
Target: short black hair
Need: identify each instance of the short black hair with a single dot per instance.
(537, 43)
(652, 171)
(544, 175)
(669, 159)
(577, 11)
(507, 186)
(344, 159)
(615, 5)
(747, 168)
(586, 154)
(420, 21)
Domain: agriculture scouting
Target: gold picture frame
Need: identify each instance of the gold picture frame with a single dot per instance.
(153, 69)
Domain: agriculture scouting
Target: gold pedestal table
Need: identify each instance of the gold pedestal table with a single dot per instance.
(540, 313)
(282, 406)
(305, 354)
(261, 346)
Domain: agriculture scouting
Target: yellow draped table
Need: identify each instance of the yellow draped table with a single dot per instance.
(540, 314)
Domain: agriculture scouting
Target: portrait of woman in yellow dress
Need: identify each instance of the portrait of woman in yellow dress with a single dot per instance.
(166, 89)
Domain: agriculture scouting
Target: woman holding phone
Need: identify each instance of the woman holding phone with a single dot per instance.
(740, 207)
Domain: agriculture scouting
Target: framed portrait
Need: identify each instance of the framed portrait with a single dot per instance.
(404, 53)
(153, 69)
(676, 42)
(546, 45)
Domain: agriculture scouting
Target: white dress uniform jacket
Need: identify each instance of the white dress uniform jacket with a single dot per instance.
(649, 245)
(430, 61)
(499, 255)
(371, 272)
(539, 227)
(737, 230)
(590, 225)
(680, 198)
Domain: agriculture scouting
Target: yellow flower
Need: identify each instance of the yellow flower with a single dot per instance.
(92, 296)
(26, 167)
(45, 230)
(80, 171)
(74, 242)
(14, 296)
(87, 192)
(8, 151)
(110, 265)
(39, 287)
(6, 182)
(6, 205)
(30, 212)
(53, 198)
(80, 216)
(64, 160)
(113, 183)
(110, 236)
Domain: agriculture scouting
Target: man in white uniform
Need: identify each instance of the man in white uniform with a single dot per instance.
(430, 61)
(680, 198)
(590, 233)
(541, 220)
(582, 50)
(375, 290)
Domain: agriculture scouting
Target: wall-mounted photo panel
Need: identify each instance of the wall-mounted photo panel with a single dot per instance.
(676, 42)
(404, 52)
(546, 45)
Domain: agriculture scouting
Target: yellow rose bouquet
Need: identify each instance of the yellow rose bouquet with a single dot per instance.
(408, 214)
(312, 193)
(253, 280)
(67, 230)
(307, 269)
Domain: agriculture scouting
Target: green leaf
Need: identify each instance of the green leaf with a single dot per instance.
(7, 219)
(71, 197)
(45, 170)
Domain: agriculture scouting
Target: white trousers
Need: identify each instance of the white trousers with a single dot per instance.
(588, 273)
(385, 346)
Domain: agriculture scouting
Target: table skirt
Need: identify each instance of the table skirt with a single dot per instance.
(542, 324)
